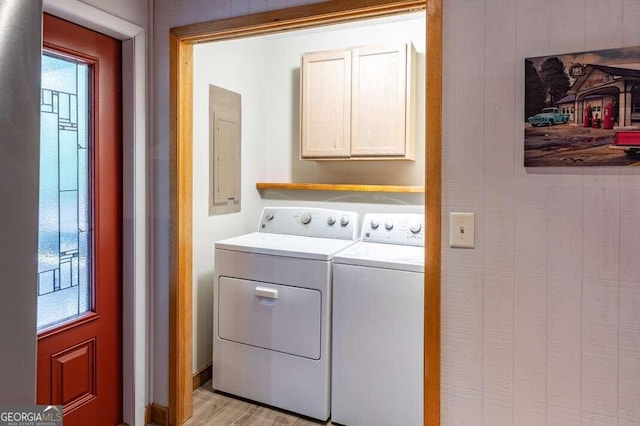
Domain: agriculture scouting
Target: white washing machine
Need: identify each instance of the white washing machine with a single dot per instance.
(378, 323)
(272, 308)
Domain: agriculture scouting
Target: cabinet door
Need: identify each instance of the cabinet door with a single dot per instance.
(379, 96)
(325, 100)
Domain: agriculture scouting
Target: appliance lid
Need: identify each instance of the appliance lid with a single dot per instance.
(285, 245)
(386, 256)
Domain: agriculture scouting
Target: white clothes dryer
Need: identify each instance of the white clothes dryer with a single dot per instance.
(378, 323)
(272, 308)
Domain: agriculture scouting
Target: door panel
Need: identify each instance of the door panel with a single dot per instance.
(249, 311)
(326, 104)
(379, 101)
(80, 353)
(73, 375)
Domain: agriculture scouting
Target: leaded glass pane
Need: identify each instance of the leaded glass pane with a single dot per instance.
(64, 285)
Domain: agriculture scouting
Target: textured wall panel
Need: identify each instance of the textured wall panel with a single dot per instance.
(559, 273)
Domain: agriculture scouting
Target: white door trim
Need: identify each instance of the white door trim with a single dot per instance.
(135, 289)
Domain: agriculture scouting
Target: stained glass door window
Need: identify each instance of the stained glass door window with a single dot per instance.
(64, 244)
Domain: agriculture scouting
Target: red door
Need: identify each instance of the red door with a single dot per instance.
(80, 244)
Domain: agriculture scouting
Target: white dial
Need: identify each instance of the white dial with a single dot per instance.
(331, 220)
(269, 215)
(388, 225)
(305, 218)
(344, 220)
(374, 224)
(415, 227)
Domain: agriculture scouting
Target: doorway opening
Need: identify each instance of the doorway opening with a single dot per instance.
(182, 44)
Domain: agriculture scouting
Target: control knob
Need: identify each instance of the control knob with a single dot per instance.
(269, 215)
(388, 225)
(415, 227)
(305, 218)
(331, 220)
(344, 220)
(374, 224)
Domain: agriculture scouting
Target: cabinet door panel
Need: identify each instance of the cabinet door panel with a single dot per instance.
(326, 104)
(379, 101)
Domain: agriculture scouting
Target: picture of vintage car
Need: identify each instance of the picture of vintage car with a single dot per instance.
(548, 117)
(589, 105)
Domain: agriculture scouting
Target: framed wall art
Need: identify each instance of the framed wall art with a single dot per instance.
(582, 109)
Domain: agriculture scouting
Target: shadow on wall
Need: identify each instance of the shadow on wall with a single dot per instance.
(204, 317)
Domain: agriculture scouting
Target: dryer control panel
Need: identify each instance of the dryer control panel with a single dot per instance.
(394, 228)
(310, 222)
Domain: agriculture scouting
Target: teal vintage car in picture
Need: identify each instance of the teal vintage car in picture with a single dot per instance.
(548, 117)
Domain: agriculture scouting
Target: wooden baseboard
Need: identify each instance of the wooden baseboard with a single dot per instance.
(201, 376)
(154, 413)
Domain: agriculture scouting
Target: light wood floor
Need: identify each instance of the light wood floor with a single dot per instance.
(216, 409)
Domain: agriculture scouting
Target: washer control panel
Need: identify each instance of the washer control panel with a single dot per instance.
(310, 222)
(394, 228)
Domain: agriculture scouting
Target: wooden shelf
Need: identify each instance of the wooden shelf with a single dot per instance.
(340, 187)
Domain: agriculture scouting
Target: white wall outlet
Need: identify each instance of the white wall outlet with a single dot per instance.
(462, 230)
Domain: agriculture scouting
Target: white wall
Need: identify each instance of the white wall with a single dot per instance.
(540, 323)
(265, 71)
(134, 11)
(20, 44)
(239, 66)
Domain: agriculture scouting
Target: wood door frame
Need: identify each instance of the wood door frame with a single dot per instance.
(182, 40)
(134, 111)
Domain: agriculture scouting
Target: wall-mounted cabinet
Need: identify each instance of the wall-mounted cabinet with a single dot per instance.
(358, 103)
